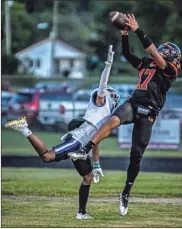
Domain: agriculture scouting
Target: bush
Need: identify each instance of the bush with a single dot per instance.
(9, 64)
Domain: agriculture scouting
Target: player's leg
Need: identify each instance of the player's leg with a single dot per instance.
(58, 152)
(141, 135)
(84, 168)
(21, 126)
(123, 114)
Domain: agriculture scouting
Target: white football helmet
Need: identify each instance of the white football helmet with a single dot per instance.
(115, 96)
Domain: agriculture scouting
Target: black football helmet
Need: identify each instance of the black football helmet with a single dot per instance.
(170, 50)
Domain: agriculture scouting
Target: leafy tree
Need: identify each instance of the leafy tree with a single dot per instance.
(86, 25)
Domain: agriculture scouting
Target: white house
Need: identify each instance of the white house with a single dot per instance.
(67, 59)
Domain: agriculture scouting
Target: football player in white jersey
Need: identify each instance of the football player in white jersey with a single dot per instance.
(101, 105)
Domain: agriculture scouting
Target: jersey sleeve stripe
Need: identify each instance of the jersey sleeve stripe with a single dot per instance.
(174, 67)
(138, 68)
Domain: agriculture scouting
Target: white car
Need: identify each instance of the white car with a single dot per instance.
(58, 108)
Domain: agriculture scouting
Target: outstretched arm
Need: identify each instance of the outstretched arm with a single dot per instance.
(104, 78)
(146, 42)
(132, 59)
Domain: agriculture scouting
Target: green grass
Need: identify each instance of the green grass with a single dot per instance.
(51, 214)
(59, 182)
(109, 147)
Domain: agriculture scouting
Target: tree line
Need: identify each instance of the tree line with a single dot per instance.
(85, 24)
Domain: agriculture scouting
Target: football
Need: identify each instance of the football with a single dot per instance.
(118, 20)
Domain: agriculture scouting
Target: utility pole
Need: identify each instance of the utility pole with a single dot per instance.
(54, 34)
(8, 27)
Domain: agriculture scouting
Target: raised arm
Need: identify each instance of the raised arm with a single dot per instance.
(146, 42)
(100, 100)
(131, 58)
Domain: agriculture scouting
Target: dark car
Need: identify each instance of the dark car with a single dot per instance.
(5, 98)
(24, 103)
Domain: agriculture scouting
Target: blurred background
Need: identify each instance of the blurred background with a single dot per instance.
(53, 53)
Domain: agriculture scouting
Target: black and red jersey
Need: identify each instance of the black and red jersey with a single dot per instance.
(153, 83)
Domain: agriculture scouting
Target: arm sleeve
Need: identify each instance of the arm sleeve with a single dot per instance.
(134, 60)
(104, 80)
(145, 40)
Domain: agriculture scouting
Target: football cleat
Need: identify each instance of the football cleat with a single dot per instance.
(17, 124)
(123, 204)
(83, 216)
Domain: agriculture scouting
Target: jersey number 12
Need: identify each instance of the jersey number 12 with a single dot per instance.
(145, 76)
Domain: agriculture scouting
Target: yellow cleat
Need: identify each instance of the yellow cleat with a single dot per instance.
(17, 124)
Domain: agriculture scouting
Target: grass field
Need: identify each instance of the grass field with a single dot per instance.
(51, 212)
(60, 182)
(109, 147)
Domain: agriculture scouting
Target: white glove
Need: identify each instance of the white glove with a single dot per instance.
(97, 174)
(110, 55)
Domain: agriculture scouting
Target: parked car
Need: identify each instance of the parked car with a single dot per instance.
(57, 109)
(5, 98)
(82, 95)
(55, 86)
(24, 103)
(125, 90)
(6, 86)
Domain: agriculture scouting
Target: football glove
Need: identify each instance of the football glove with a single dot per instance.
(97, 172)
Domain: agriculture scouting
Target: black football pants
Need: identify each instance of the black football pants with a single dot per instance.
(141, 135)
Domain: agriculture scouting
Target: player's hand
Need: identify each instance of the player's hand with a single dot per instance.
(110, 55)
(132, 23)
(97, 172)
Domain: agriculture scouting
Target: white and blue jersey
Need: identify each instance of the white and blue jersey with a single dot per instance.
(95, 116)
(98, 115)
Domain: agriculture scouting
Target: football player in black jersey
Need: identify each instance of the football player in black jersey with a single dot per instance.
(157, 72)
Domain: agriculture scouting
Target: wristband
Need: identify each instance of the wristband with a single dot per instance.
(96, 164)
(146, 42)
(90, 145)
